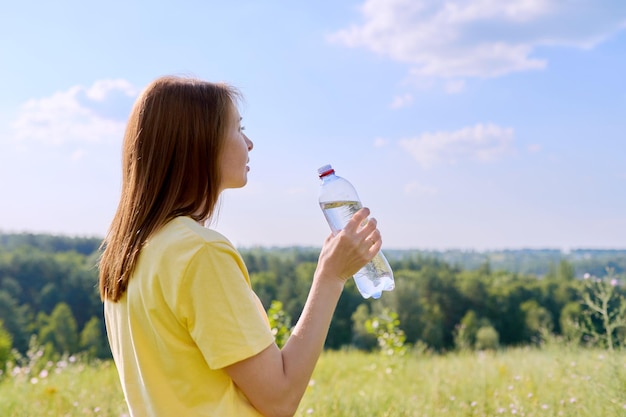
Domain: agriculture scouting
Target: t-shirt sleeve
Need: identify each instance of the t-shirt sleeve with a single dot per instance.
(219, 307)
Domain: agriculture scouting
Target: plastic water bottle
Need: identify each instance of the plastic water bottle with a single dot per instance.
(339, 201)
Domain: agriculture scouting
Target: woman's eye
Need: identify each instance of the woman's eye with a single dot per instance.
(242, 128)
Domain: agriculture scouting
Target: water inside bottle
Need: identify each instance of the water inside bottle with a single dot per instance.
(339, 213)
(376, 276)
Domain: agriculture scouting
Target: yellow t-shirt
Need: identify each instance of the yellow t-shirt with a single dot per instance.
(189, 311)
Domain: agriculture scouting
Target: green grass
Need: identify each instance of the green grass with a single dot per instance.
(522, 382)
(66, 390)
(557, 381)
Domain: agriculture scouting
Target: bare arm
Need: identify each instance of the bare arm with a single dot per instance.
(275, 380)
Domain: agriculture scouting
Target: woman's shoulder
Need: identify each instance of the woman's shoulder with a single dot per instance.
(185, 231)
(179, 241)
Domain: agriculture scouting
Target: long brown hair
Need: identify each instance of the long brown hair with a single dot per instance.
(170, 168)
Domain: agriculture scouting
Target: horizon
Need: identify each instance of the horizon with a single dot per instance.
(466, 126)
(385, 249)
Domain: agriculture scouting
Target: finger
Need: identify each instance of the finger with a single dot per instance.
(373, 237)
(356, 220)
(368, 226)
(376, 247)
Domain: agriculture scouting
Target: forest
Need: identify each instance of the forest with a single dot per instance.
(443, 300)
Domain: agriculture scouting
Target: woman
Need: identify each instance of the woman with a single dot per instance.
(188, 335)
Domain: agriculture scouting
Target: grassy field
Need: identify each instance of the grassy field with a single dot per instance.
(522, 382)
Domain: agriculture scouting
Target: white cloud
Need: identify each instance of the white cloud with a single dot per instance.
(297, 191)
(102, 88)
(380, 142)
(458, 39)
(403, 100)
(78, 115)
(482, 142)
(535, 148)
(416, 187)
(455, 86)
(77, 155)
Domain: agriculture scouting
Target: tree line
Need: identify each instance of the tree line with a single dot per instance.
(443, 300)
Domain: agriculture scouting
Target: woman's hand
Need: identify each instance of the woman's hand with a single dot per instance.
(345, 253)
(275, 380)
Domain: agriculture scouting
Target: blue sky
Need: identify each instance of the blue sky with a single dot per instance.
(468, 124)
